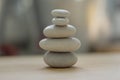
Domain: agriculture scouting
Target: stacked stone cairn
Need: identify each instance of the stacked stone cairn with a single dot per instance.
(60, 43)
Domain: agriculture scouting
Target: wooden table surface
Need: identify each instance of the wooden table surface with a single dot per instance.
(89, 67)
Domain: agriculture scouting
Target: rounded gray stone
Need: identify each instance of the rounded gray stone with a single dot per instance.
(60, 59)
(53, 31)
(60, 45)
(60, 13)
(60, 21)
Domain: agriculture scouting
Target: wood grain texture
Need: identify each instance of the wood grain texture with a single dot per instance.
(88, 67)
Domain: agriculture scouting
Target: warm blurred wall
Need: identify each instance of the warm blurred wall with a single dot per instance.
(22, 22)
(98, 22)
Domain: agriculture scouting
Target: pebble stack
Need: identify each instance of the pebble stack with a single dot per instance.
(60, 43)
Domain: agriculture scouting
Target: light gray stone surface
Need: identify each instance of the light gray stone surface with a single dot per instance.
(60, 45)
(59, 42)
(53, 31)
(60, 60)
(60, 21)
(60, 13)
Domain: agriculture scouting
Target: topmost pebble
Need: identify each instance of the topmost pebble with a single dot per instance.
(60, 13)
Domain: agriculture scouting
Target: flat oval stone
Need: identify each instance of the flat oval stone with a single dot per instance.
(60, 21)
(60, 60)
(60, 45)
(53, 31)
(60, 13)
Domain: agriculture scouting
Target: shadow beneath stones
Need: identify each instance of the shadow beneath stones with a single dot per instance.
(63, 70)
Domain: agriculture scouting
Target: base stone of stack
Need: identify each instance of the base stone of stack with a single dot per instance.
(60, 59)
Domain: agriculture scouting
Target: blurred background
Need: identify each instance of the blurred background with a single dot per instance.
(22, 23)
